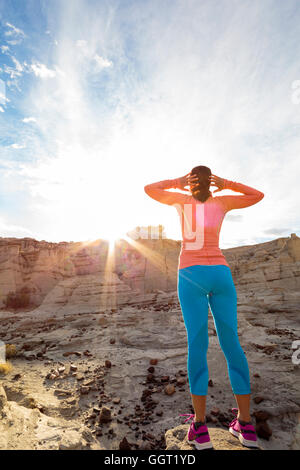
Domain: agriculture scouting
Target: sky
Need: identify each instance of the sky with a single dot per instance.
(99, 98)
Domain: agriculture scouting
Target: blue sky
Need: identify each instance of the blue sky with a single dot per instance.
(100, 98)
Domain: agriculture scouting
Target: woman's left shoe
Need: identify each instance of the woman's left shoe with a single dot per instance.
(245, 433)
(198, 437)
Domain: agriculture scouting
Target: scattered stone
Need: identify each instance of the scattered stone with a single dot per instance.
(263, 430)
(107, 363)
(266, 348)
(165, 378)
(181, 381)
(62, 393)
(124, 444)
(89, 382)
(105, 415)
(150, 378)
(261, 415)
(51, 376)
(70, 353)
(182, 372)
(17, 377)
(210, 383)
(258, 400)
(27, 347)
(112, 340)
(169, 389)
(116, 400)
(71, 401)
(153, 362)
(150, 369)
(215, 411)
(87, 353)
(73, 368)
(84, 390)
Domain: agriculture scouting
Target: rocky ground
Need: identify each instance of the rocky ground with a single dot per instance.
(119, 380)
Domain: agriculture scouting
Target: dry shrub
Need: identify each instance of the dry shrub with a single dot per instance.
(5, 368)
(11, 350)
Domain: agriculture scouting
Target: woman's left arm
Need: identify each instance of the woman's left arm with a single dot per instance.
(158, 191)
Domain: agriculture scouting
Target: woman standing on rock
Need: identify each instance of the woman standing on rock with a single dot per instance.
(205, 279)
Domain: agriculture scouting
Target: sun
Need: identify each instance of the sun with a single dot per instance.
(113, 239)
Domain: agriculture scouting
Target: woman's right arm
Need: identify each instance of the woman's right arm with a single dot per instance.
(249, 197)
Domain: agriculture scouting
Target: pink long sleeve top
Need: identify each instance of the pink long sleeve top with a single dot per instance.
(201, 221)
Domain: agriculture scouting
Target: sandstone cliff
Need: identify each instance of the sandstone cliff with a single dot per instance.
(267, 274)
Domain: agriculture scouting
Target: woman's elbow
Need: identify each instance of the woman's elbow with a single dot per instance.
(148, 190)
(258, 197)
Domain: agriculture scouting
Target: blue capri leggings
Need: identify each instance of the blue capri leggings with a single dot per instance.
(200, 286)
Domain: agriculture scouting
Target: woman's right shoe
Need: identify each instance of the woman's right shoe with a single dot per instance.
(245, 433)
(198, 437)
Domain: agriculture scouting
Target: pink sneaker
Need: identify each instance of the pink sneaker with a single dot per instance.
(199, 437)
(246, 434)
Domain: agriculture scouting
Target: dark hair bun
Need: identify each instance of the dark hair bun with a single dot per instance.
(200, 190)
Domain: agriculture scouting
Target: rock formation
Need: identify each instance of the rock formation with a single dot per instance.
(101, 329)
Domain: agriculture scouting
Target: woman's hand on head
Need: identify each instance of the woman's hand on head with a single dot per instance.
(192, 180)
(187, 180)
(217, 181)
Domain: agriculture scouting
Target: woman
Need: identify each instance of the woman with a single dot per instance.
(205, 279)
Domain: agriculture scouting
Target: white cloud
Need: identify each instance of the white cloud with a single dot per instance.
(101, 62)
(17, 146)
(14, 42)
(87, 49)
(11, 230)
(19, 67)
(81, 43)
(29, 119)
(4, 49)
(13, 73)
(13, 31)
(42, 71)
(3, 97)
(1, 109)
